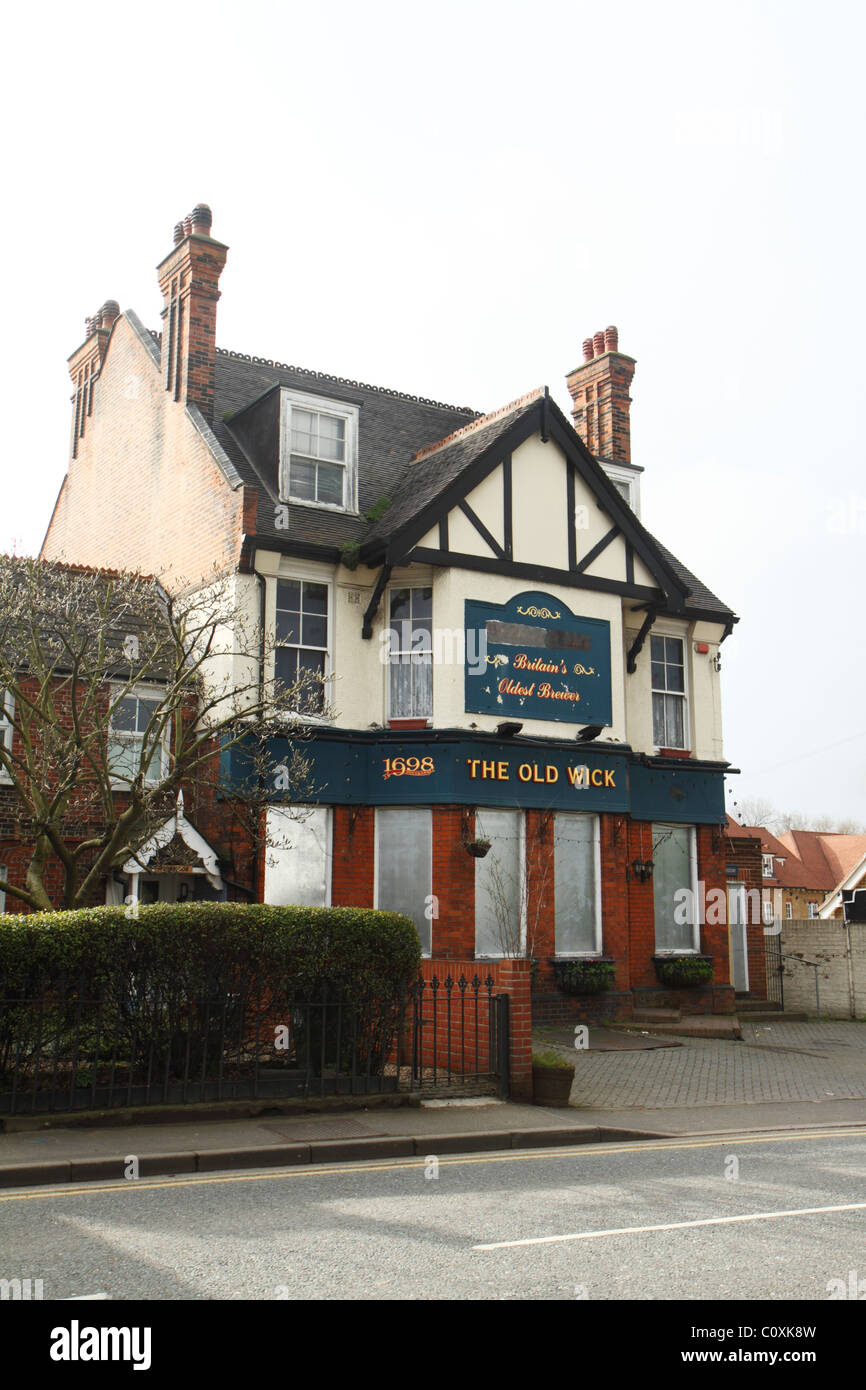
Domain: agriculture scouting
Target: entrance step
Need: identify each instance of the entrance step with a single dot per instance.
(650, 1015)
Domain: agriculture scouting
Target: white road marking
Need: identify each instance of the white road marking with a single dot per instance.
(77, 1297)
(672, 1226)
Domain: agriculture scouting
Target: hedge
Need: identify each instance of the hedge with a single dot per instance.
(197, 989)
(191, 948)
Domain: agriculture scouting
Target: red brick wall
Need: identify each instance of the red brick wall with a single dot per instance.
(353, 864)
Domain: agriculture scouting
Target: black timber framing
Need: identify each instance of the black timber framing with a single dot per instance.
(596, 550)
(543, 415)
(507, 518)
(482, 530)
(373, 605)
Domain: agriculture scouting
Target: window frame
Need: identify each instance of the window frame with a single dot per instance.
(4, 874)
(306, 574)
(695, 948)
(7, 729)
(142, 690)
(309, 810)
(598, 949)
(767, 859)
(685, 694)
(320, 405)
(520, 812)
(618, 473)
(425, 954)
(389, 714)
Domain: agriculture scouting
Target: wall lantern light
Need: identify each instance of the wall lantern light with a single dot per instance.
(642, 869)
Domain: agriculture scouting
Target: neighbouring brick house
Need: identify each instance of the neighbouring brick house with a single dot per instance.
(520, 742)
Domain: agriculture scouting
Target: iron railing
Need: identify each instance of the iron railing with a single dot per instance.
(127, 1048)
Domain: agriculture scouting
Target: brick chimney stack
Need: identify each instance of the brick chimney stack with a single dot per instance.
(189, 280)
(85, 364)
(599, 388)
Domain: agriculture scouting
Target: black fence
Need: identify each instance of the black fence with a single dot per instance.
(134, 1046)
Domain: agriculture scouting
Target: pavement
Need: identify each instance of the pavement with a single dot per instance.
(780, 1076)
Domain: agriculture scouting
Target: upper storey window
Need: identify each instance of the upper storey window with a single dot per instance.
(318, 451)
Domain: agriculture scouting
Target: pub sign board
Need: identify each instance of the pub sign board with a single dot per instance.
(537, 660)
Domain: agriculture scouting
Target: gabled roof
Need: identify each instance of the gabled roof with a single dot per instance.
(417, 453)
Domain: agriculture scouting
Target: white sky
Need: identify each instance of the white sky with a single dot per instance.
(447, 199)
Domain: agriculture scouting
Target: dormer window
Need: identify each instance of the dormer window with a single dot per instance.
(318, 451)
(768, 865)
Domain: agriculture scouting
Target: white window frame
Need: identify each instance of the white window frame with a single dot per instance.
(596, 845)
(142, 691)
(425, 954)
(310, 575)
(695, 948)
(303, 813)
(388, 713)
(621, 474)
(789, 910)
(767, 865)
(813, 909)
(768, 912)
(666, 631)
(4, 874)
(322, 405)
(521, 821)
(7, 714)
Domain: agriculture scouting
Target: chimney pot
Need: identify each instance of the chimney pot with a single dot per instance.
(611, 338)
(598, 343)
(109, 312)
(202, 218)
(587, 349)
(187, 226)
(178, 233)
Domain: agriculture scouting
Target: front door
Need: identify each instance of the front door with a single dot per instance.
(737, 944)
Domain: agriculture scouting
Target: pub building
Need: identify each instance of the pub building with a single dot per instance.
(521, 746)
(518, 740)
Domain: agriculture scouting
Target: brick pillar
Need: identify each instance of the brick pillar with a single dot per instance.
(641, 908)
(514, 981)
(352, 873)
(453, 884)
(189, 280)
(615, 940)
(599, 388)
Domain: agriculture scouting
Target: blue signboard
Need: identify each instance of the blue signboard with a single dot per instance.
(364, 769)
(532, 658)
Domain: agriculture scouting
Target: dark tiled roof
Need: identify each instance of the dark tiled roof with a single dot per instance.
(699, 595)
(393, 426)
(393, 429)
(425, 479)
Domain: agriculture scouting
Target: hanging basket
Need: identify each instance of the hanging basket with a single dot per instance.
(477, 848)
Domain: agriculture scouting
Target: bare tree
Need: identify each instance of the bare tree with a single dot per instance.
(114, 696)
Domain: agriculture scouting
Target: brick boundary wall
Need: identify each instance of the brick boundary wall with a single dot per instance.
(841, 956)
(509, 977)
